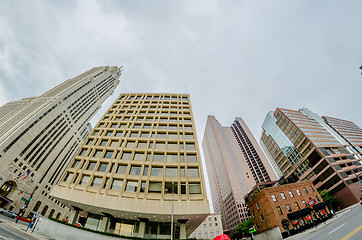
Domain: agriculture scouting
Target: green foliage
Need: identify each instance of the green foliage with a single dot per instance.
(244, 227)
(330, 200)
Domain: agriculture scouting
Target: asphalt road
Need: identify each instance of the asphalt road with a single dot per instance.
(348, 226)
(8, 233)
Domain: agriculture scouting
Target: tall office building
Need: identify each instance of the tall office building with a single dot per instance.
(325, 150)
(40, 135)
(235, 163)
(140, 164)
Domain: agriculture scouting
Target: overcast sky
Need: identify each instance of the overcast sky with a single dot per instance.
(235, 58)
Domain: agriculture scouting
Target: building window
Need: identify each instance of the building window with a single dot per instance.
(84, 180)
(298, 192)
(289, 209)
(139, 156)
(171, 172)
(291, 194)
(121, 169)
(191, 158)
(297, 205)
(97, 153)
(135, 170)
(102, 167)
(154, 187)
(143, 186)
(274, 198)
(75, 163)
(117, 184)
(283, 196)
(279, 210)
(168, 187)
(157, 171)
(82, 153)
(305, 190)
(68, 177)
(257, 206)
(126, 156)
(91, 166)
(194, 188)
(311, 188)
(304, 203)
(108, 154)
(158, 157)
(131, 186)
(261, 217)
(96, 182)
(104, 142)
(192, 172)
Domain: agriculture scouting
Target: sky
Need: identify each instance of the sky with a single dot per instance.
(235, 58)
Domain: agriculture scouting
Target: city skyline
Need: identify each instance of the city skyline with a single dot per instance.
(268, 51)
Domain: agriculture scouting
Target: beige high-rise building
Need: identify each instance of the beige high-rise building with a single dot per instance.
(40, 135)
(235, 163)
(141, 161)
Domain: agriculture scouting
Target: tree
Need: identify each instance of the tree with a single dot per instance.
(244, 226)
(330, 200)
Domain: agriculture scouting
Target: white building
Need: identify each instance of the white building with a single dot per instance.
(40, 135)
(209, 228)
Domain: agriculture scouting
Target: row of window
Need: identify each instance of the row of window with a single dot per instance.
(135, 125)
(153, 118)
(136, 186)
(140, 156)
(136, 169)
(148, 134)
(157, 97)
(291, 193)
(141, 134)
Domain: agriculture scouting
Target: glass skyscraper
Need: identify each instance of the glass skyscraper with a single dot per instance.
(305, 146)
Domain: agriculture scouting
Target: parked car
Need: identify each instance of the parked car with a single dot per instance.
(8, 213)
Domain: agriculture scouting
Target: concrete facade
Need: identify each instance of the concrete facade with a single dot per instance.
(235, 163)
(40, 135)
(325, 150)
(141, 161)
(209, 228)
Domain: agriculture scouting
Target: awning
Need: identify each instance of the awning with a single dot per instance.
(299, 214)
(319, 206)
(6, 199)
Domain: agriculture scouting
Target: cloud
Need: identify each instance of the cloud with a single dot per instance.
(235, 58)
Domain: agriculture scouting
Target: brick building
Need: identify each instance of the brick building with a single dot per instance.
(299, 203)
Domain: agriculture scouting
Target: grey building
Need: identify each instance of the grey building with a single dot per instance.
(40, 135)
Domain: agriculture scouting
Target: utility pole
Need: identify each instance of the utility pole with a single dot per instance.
(22, 210)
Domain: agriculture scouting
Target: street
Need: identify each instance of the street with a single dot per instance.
(8, 233)
(348, 226)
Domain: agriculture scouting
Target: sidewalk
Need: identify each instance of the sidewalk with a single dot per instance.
(21, 227)
(339, 214)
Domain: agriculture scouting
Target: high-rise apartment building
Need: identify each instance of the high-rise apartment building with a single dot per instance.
(235, 163)
(40, 135)
(140, 164)
(324, 150)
